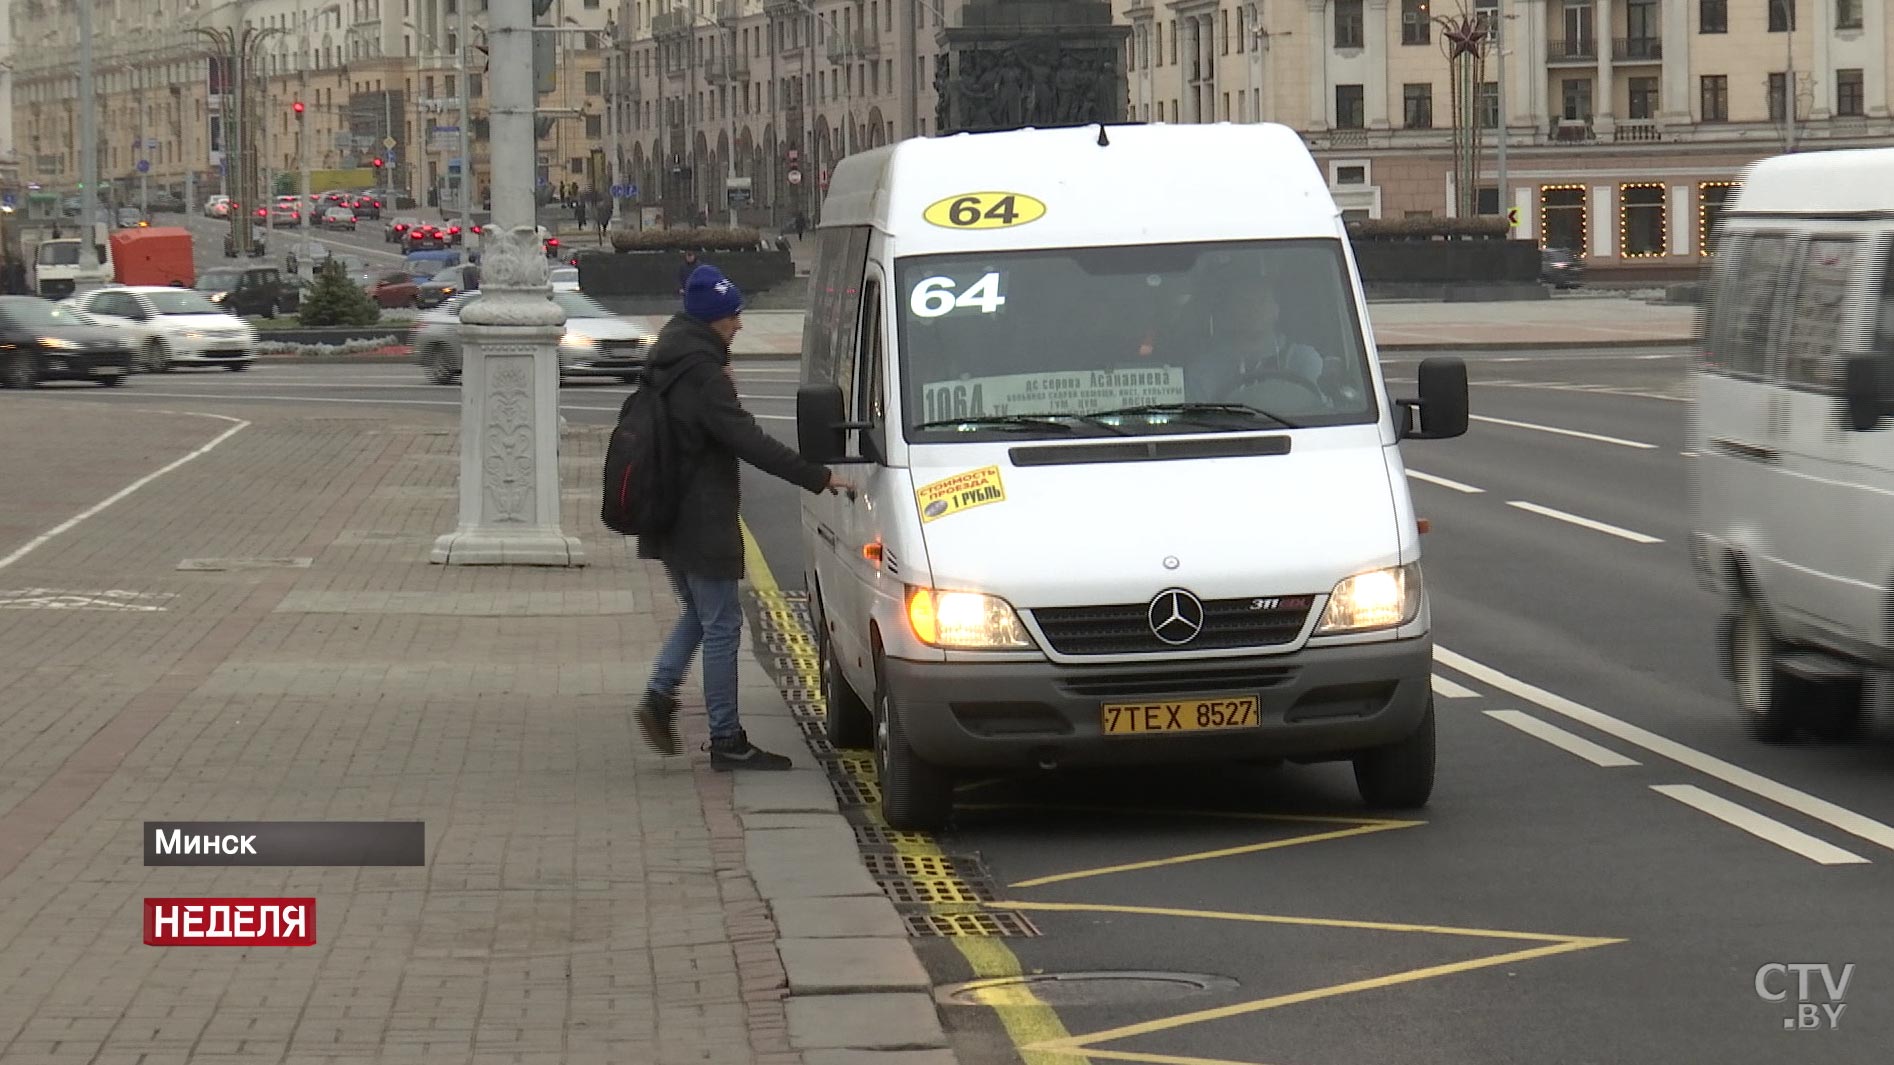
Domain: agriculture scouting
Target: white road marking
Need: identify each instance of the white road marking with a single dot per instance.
(1444, 482)
(366, 385)
(1599, 526)
(1447, 689)
(238, 397)
(1620, 441)
(1558, 737)
(38, 541)
(1688, 454)
(1767, 828)
(1755, 783)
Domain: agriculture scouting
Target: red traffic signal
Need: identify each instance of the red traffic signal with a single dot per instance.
(297, 107)
(378, 162)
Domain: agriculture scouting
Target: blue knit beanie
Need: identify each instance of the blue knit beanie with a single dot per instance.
(709, 296)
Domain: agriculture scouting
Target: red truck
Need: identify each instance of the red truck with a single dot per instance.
(160, 255)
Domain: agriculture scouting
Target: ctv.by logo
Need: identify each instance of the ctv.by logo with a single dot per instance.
(1775, 980)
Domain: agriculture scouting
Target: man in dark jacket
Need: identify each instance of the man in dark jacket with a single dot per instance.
(685, 269)
(703, 552)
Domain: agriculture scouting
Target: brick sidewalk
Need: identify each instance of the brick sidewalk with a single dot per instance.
(583, 900)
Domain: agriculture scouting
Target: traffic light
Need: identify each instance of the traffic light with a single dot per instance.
(378, 163)
(298, 108)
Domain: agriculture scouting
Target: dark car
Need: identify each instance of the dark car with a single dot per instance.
(40, 341)
(249, 290)
(366, 207)
(445, 285)
(423, 237)
(398, 229)
(1560, 268)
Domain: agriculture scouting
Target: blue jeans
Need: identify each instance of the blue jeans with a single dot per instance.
(713, 617)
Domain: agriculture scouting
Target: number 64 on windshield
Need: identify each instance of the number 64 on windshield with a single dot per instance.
(937, 296)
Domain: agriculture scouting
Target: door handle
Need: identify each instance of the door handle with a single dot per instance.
(828, 535)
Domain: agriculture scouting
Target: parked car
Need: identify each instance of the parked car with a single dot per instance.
(172, 326)
(259, 290)
(447, 284)
(1560, 268)
(41, 340)
(338, 217)
(597, 343)
(393, 290)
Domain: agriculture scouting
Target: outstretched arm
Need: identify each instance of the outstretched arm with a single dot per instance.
(735, 428)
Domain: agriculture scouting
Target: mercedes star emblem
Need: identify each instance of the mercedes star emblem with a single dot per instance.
(1176, 616)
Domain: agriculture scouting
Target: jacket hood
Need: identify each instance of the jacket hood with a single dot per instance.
(684, 344)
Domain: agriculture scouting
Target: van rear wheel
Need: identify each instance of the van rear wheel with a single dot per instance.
(1399, 776)
(848, 720)
(915, 796)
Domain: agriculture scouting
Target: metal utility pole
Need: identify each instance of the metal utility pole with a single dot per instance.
(466, 120)
(88, 146)
(1499, 42)
(509, 376)
(1788, 81)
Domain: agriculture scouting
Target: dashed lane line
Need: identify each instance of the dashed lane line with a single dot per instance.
(1575, 433)
(1447, 689)
(1571, 743)
(1444, 482)
(1832, 814)
(1582, 522)
(1765, 828)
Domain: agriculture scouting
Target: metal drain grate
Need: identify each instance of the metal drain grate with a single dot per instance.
(988, 924)
(877, 836)
(855, 792)
(785, 619)
(790, 643)
(905, 892)
(798, 666)
(923, 866)
(860, 766)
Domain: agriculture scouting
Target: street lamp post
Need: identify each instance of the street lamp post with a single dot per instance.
(509, 422)
(88, 148)
(466, 120)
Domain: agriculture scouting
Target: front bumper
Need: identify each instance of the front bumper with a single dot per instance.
(213, 351)
(85, 365)
(1315, 704)
(615, 361)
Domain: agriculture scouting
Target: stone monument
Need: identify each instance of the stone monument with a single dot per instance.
(1013, 63)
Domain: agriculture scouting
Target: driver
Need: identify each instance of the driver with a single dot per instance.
(1246, 342)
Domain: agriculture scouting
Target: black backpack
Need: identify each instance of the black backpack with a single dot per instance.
(642, 474)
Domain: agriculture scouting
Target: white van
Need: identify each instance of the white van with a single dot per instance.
(1130, 486)
(1794, 467)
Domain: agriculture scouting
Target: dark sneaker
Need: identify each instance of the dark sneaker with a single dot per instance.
(737, 752)
(657, 717)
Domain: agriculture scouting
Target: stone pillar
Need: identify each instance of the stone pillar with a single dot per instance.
(1601, 105)
(509, 415)
(1375, 38)
(1675, 106)
(1013, 63)
(1321, 97)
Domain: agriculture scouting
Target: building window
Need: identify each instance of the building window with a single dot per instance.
(1223, 29)
(1641, 231)
(1847, 14)
(1173, 42)
(575, 165)
(1487, 106)
(1486, 200)
(1713, 103)
(1414, 25)
(1643, 98)
(1417, 106)
(1350, 112)
(594, 83)
(1711, 198)
(1778, 97)
(1781, 16)
(1348, 32)
(1351, 175)
(594, 126)
(1562, 211)
(1848, 94)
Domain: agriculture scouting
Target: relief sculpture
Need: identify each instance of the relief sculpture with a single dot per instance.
(507, 465)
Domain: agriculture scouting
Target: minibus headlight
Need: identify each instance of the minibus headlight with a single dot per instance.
(1377, 599)
(964, 621)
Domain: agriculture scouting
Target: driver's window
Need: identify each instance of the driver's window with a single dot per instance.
(865, 400)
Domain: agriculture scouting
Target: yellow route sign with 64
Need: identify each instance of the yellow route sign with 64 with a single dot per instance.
(984, 210)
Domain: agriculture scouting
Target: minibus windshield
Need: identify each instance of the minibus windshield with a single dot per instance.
(1213, 337)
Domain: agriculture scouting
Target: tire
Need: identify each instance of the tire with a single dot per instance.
(438, 370)
(269, 311)
(236, 367)
(156, 358)
(915, 796)
(22, 370)
(113, 381)
(849, 721)
(1399, 776)
(1766, 696)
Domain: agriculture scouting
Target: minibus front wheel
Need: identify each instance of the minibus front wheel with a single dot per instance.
(1399, 776)
(915, 796)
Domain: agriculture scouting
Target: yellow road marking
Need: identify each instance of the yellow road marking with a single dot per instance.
(1158, 1059)
(1179, 811)
(1027, 1020)
(1224, 852)
(1314, 922)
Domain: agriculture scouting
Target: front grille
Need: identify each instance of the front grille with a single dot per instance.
(1126, 628)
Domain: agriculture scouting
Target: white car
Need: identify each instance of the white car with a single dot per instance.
(172, 326)
(565, 279)
(597, 343)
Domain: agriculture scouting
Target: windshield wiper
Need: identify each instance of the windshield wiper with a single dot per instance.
(1199, 408)
(1001, 421)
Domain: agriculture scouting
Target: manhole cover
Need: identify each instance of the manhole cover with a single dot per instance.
(1083, 989)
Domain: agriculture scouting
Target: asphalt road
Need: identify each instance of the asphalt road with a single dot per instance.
(1608, 860)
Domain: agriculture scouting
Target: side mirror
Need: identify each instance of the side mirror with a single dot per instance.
(1442, 403)
(1865, 391)
(822, 425)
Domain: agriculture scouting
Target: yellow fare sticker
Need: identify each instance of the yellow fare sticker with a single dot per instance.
(984, 210)
(962, 491)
